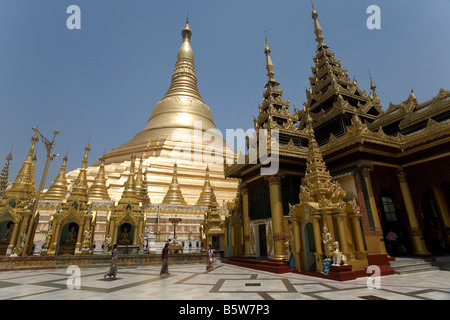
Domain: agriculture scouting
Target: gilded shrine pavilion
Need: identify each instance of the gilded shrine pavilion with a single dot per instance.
(347, 165)
(350, 173)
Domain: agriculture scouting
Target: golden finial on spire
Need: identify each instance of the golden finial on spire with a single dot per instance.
(183, 85)
(185, 51)
(269, 64)
(86, 152)
(372, 84)
(317, 27)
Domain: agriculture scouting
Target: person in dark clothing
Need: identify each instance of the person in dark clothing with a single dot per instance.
(165, 260)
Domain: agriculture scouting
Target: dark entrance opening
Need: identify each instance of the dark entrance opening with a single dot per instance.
(262, 241)
(433, 231)
(392, 220)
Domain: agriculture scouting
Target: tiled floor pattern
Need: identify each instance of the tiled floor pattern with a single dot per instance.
(225, 282)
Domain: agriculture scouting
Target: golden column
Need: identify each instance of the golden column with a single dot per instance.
(138, 238)
(276, 207)
(415, 233)
(79, 244)
(443, 211)
(318, 240)
(341, 231)
(112, 230)
(373, 208)
(56, 236)
(360, 250)
(297, 243)
(246, 218)
(13, 240)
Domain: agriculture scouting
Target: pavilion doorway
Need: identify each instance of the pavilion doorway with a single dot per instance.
(392, 220)
(309, 247)
(262, 237)
(6, 228)
(433, 230)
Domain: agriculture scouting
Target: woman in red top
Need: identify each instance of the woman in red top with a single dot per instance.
(165, 259)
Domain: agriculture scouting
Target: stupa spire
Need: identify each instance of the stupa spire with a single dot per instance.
(316, 170)
(184, 79)
(139, 176)
(80, 186)
(130, 185)
(59, 187)
(25, 178)
(205, 195)
(174, 195)
(4, 175)
(98, 189)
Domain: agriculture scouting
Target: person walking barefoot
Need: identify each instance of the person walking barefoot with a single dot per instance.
(210, 258)
(112, 272)
(165, 260)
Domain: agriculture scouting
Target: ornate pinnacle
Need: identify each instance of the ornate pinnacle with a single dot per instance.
(174, 195)
(4, 175)
(207, 193)
(269, 64)
(317, 27)
(184, 79)
(58, 189)
(130, 184)
(98, 189)
(85, 158)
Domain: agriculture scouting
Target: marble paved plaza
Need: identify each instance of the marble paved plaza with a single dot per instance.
(225, 282)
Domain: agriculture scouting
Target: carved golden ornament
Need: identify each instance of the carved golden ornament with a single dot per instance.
(273, 180)
(366, 171)
(401, 176)
(277, 237)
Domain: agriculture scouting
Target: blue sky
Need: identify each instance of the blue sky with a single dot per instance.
(102, 81)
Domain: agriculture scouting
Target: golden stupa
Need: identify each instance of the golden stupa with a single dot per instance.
(176, 117)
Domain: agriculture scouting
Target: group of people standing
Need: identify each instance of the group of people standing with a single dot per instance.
(112, 272)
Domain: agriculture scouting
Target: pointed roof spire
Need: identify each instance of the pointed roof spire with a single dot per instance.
(130, 185)
(4, 175)
(269, 64)
(139, 176)
(372, 84)
(98, 189)
(317, 27)
(59, 187)
(80, 186)
(316, 170)
(206, 194)
(143, 190)
(25, 178)
(174, 195)
(213, 200)
(86, 152)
